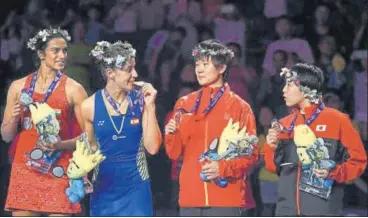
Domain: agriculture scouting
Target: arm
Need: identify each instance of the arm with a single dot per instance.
(87, 118)
(12, 113)
(356, 162)
(173, 143)
(238, 167)
(359, 36)
(268, 153)
(152, 138)
(78, 96)
(267, 61)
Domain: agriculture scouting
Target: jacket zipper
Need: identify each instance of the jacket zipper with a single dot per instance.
(298, 180)
(297, 190)
(205, 149)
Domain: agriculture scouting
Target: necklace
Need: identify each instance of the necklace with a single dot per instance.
(108, 98)
(118, 131)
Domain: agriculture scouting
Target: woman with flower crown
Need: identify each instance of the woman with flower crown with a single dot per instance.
(200, 118)
(315, 150)
(121, 121)
(34, 190)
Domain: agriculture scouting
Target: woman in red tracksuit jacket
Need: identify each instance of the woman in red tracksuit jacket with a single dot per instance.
(210, 110)
(337, 155)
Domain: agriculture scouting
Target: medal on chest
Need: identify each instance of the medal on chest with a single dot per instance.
(116, 108)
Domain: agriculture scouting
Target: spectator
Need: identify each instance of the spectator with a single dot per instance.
(10, 44)
(187, 75)
(241, 79)
(360, 84)
(191, 36)
(187, 8)
(331, 62)
(210, 8)
(319, 26)
(94, 27)
(270, 90)
(170, 52)
(204, 33)
(78, 57)
(124, 19)
(151, 16)
(332, 98)
(361, 36)
(229, 26)
(288, 43)
(275, 8)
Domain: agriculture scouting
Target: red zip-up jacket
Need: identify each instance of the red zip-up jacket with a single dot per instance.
(193, 137)
(345, 148)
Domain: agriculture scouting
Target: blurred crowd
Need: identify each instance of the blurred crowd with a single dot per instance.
(265, 36)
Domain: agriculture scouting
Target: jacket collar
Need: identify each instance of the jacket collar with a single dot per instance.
(308, 111)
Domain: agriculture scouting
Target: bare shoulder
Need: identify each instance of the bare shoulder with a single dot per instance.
(75, 92)
(89, 102)
(73, 85)
(87, 107)
(17, 85)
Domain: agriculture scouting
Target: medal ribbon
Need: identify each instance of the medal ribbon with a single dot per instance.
(307, 122)
(212, 103)
(111, 102)
(49, 90)
(139, 100)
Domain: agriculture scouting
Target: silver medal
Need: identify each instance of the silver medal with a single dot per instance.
(27, 123)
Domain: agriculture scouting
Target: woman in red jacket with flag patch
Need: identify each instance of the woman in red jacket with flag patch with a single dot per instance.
(314, 150)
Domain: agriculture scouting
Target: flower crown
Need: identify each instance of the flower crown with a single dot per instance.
(291, 76)
(44, 34)
(199, 51)
(119, 61)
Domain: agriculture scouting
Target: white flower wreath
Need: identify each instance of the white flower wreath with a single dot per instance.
(199, 51)
(120, 61)
(44, 34)
(292, 76)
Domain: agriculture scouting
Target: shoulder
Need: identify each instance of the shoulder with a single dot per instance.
(75, 90)
(287, 120)
(240, 103)
(189, 98)
(72, 84)
(17, 85)
(89, 102)
(300, 40)
(87, 107)
(335, 115)
(274, 44)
